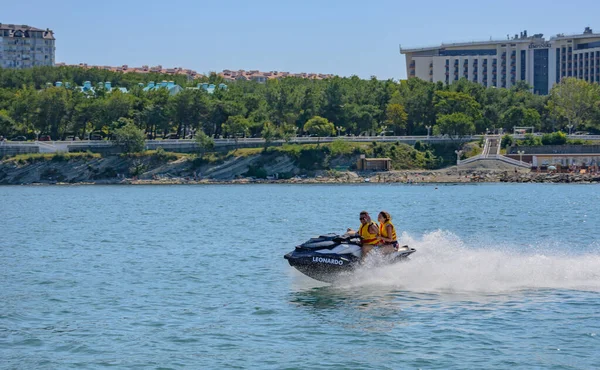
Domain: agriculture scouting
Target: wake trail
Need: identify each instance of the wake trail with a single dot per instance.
(444, 263)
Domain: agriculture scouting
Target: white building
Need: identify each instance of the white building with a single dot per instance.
(25, 46)
(539, 62)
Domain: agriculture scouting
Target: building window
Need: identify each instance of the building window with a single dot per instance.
(540, 71)
(557, 65)
(523, 64)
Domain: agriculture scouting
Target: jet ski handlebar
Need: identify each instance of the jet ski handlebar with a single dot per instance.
(347, 237)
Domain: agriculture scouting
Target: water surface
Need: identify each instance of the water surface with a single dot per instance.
(505, 276)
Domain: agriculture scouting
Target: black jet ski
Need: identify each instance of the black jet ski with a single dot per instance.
(325, 257)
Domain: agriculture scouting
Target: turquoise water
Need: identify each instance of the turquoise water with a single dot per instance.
(505, 276)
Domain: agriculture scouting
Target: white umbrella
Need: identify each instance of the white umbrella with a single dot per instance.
(551, 168)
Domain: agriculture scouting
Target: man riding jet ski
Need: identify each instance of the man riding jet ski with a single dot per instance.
(323, 258)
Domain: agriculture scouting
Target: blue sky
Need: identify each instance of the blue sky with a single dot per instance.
(344, 37)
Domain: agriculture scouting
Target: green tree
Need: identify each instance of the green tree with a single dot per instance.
(521, 116)
(573, 100)
(286, 132)
(396, 117)
(319, 127)
(205, 143)
(7, 124)
(448, 102)
(456, 124)
(130, 137)
(269, 132)
(236, 126)
(189, 109)
(53, 105)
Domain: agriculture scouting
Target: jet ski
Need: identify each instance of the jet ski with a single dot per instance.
(327, 256)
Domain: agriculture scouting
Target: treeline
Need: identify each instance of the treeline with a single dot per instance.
(283, 108)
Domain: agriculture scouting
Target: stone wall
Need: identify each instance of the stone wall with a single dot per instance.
(10, 150)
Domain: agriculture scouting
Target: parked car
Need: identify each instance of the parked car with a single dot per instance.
(45, 138)
(19, 138)
(72, 138)
(171, 136)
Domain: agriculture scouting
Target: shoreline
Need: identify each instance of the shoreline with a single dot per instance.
(434, 177)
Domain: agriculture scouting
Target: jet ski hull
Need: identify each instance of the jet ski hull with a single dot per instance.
(327, 266)
(322, 267)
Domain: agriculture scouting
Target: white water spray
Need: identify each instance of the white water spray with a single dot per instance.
(443, 263)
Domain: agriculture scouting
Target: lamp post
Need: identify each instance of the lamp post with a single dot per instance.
(339, 129)
(520, 153)
(458, 153)
(428, 127)
(569, 126)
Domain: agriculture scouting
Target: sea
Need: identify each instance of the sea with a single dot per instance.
(506, 276)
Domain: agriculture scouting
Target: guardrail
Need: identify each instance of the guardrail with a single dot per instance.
(495, 157)
(231, 141)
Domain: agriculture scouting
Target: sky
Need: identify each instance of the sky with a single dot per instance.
(342, 37)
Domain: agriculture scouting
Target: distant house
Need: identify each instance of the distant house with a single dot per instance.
(87, 87)
(263, 77)
(209, 88)
(171, 86)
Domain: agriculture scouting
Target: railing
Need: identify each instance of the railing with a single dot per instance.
(486, 147)
(495, 157)
(298, 139)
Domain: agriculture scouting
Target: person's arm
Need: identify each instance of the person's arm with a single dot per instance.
(389, 230)
(374, 229)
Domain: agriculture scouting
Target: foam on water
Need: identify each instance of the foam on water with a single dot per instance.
(445, 263)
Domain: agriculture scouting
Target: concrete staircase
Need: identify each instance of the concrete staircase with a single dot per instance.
(491, 152)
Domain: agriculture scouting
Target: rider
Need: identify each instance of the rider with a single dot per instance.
(368, 231)
(387, 232)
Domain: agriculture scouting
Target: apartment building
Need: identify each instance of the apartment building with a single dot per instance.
(22, 46)
(502, 63)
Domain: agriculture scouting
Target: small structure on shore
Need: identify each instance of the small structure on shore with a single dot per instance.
(373, 164)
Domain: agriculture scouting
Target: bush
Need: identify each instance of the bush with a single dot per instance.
(341, 147)
(162, 156)
(312, 159)
(130, 138)
(507, 140)
(555, 138)
(256, 171)
(60, 157)
(576, 142)
(137, 169)
(198, 162)
(530, 140)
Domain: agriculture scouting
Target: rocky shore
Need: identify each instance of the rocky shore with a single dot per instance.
(403, 177)
(117, 170)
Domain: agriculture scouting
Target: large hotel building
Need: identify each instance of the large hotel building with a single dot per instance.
(22, 46)
(539, 62)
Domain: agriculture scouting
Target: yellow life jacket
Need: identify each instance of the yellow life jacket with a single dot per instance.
(383, 231)
(367, 237)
